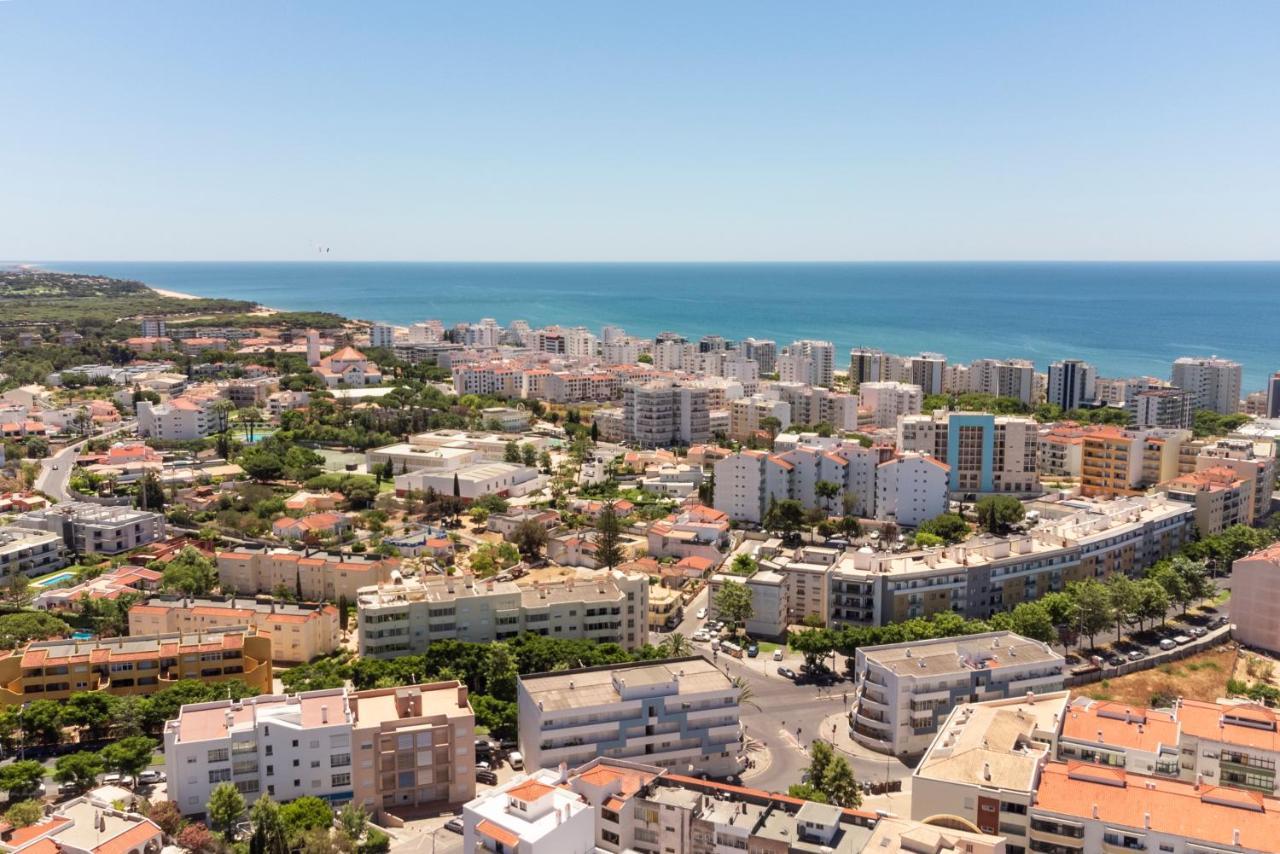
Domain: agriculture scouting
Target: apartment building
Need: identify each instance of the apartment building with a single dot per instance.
(56, 669)
(681, 714)
(1072, 384)
(1161, 407)
(311, 576)
(808, 361)
(86, 527)
(1221, 497)
(692, 531)
(770, 601)
(299, 632)
(24, 551)
(1060, 452)
(1082, 807)
(905, 691)
(180, 419)
(986, 453)
(661, 413)
(406, 616)
(866, 365)
(911, 488)
(1248, 460)
(1003, 378)
(1273, 396)
(885, 402)
(1116, 462)
(762, 351)
(812, 405)
(1213, 383)
(386, 749)
(530, 814)
(1255, 607)
(747, 414)
(984, 764)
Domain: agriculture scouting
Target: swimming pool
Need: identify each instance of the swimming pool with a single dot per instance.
(55, 580)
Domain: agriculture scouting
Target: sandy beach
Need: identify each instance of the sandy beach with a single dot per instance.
(173, 294)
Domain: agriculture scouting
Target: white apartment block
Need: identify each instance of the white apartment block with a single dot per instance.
(927, 370)
(382, 335)
(886, 401)
(987, 453)
(1214, 383)
(809, 362)
(984, 763)
(1161, 407)
(384, 749)
(675, 356)
(530, 814)
(1072, 384)
(623, 351)
(905, 691)
(811, 405)
(681, 714)
(662, 413)
(911, 488)
(29, 552)
(762, 351)
(406, 616)
(747, 413)
(1004, 378)
(181, 419)
(88, 527)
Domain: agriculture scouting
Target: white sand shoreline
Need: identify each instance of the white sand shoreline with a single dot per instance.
(173, 294)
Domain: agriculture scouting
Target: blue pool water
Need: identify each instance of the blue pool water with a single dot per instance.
(55, 580)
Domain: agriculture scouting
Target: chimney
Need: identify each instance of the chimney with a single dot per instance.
(1199, 781)
(1146, 821)
(1094, 812)
(1235, 836)
(1031, 697)
(324, 714)
(986, 771)
(564, 773)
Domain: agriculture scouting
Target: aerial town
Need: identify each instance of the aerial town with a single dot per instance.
(286, 581)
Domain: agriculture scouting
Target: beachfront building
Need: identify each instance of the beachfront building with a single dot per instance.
(386, 749)
(1072, 384)
(406, 616)
(809, 362)
(310, 576)
(1213, 383)
(986, 453)
(681, 714)
(299, 631)
(56, 669)
(904, 691)
(86, 527)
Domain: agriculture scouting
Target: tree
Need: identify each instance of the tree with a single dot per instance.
(528, 455)
(376, 842)
(815, 645)
(1153, 602)
(746, 694)
(190, 573)
(839, 785)
(262, 464)
(529, 537)
(675, 645)
(1124, 600)
(24, 813)
(1029, 619)
(1093, 604)
(926, 540)
(1062, 610)
(511, 452)
(269, 835)
(353, 820)
(827, 491)
(608, 537)
(821, 755)
(91, 711)
(305, 813)
(128, 756)
(951, 527)
(226, 806)
(42, 722)
(785, 517)
(15, 591)
(733, 603)
(168, 817)
(250, 418)
(17, 629)
(81, 769)
(806, 792)
(151, 492)
(21, 777)
(500, 673)
(196, 838)
(997, 514)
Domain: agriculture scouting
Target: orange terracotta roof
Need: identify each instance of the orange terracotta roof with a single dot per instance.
(1214, 722)
(24, 835)
(1120, 725)
(498, 833)
(134, 838)
(530, 790)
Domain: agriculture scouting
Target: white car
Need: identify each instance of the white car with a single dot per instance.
(777, 654)
(702, 613)
(701, 636)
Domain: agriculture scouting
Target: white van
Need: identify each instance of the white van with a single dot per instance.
(515, 759)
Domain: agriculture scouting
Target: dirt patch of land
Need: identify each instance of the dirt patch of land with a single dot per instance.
(1197, 677)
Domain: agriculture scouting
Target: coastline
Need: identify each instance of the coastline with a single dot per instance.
(259, 309)
(164, 292)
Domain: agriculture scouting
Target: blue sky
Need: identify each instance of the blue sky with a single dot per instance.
(639, 131)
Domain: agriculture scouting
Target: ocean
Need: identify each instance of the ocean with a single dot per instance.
(1129, 319)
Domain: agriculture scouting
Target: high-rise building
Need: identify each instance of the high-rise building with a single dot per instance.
(1004, 378)
(808, 361)
(1072, 384)
(154, 327)
(927, 370)
(382, 335)
(986, 453)
(1161, 407)
(763, 351)
(1214, 383)
(661, 413)
(866, 365)
(1273, 395)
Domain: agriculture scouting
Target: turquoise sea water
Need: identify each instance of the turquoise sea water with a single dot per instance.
(1127, 318)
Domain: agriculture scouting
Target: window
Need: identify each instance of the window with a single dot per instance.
(219, 755)
(340, 780)
(219, 775)
(340, 760)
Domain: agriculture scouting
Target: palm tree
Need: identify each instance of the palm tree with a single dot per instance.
(675, 645)
(746, 694)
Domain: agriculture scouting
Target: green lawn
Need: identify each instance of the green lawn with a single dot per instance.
(767, 647)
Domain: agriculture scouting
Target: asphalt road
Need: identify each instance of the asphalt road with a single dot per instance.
(55, 470)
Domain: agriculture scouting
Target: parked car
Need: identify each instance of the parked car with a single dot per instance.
(1197, 631)
(787, 672)
(1221, 621)
(777, 654)
(1167, 644)
(150, 778)
(1115, 660)
(516, 760)
(752, 650)
(701, 636)
(1181, 639)
(1137, 655)
(483, 765)
(702, 613)
(487, 777)
(114, 779)
(454, 824)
